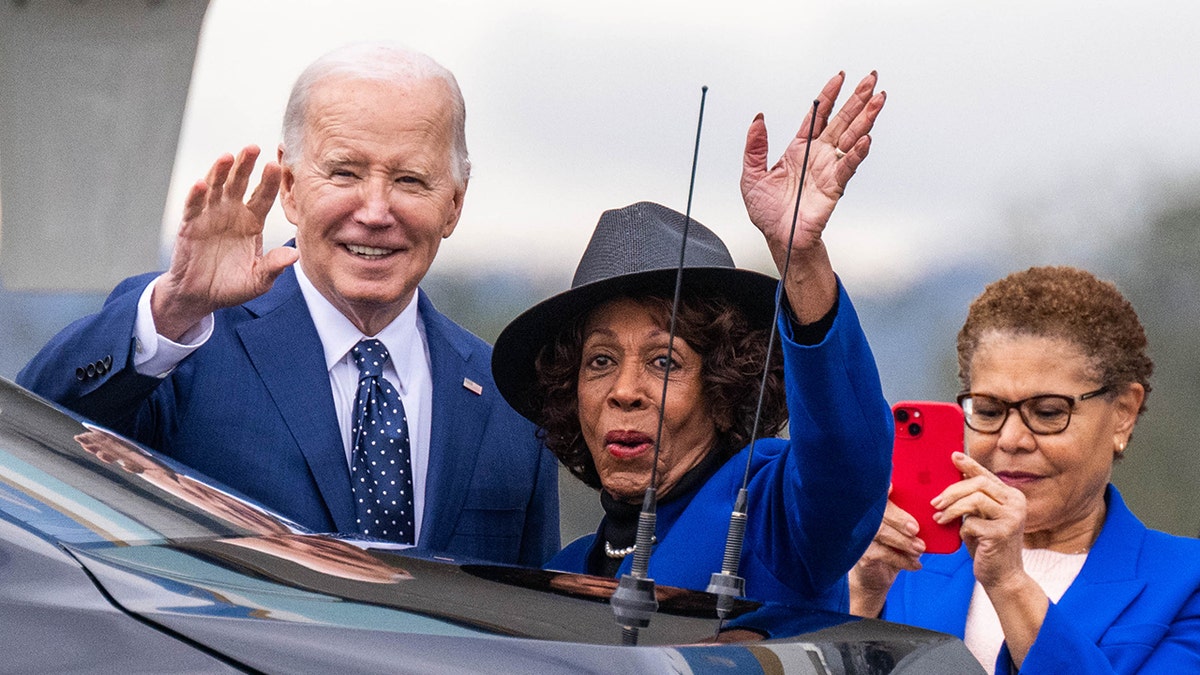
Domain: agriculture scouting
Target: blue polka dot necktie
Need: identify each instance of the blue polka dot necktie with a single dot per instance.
(381, 471)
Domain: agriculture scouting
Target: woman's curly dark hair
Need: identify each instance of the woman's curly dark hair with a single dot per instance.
(732, 356)
(1066, 303)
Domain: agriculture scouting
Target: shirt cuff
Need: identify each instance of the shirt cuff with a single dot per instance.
(155, 355)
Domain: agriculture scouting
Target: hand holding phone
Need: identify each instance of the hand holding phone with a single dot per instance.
(927, 433)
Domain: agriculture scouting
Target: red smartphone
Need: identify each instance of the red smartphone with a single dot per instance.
(927, 432)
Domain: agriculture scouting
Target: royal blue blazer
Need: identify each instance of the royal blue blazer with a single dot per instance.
(815, 502)
(252, 408)
(1134, 608)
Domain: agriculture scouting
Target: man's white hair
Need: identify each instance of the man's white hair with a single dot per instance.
(375, 61)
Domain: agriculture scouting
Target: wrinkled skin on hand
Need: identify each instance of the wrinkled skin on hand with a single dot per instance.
(218, 259)
(839, 145)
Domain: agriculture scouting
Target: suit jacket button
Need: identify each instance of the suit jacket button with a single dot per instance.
(80, 374)
(101, 368)
(91, 370)
(108, 362)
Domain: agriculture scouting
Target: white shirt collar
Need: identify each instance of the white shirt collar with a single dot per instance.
(338, 335)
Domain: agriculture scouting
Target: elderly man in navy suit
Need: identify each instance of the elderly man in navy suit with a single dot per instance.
(242, 364)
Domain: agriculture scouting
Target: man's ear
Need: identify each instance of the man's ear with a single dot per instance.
(287, 180)
(460, 194)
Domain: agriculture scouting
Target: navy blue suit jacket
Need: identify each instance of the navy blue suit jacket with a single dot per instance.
(252, 408)
(1134, 608)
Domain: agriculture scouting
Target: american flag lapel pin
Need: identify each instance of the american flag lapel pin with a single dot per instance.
(472, 386)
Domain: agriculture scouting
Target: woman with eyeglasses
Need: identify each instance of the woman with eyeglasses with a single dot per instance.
(1056, 575)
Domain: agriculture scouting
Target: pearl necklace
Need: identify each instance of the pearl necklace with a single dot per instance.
(622, 552)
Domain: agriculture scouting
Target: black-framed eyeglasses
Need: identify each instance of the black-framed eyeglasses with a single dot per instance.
(1044, 415)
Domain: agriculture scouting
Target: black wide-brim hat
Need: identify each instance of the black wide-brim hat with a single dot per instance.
(634, 251)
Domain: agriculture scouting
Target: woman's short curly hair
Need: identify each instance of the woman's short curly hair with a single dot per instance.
(732, 360)
(1066, 303)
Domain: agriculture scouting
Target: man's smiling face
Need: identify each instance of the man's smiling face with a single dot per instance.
(373, 192)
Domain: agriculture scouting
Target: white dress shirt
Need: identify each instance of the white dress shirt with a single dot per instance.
(409, 368)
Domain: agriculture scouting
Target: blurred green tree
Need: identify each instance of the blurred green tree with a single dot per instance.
(1159, 271)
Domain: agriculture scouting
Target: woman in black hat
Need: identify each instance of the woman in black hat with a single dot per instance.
(587, 366)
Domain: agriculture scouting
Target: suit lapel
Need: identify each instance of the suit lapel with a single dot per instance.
(1108, 582)
(453, 443)
(298, 382)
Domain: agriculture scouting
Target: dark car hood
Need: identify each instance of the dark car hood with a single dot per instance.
(276, 616)
(134, 553)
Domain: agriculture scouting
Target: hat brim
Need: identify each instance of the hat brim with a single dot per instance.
(518, 345)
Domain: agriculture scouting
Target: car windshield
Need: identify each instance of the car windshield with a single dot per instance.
(80, 484)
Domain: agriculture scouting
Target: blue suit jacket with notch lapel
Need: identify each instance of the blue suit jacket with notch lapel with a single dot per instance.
(253, 409)
(1134, 608)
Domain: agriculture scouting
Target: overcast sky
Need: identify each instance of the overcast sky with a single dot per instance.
(1044, 122)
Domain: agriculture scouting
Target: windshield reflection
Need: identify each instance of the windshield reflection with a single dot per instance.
(74, 482)
(317, 553)
(238, 513)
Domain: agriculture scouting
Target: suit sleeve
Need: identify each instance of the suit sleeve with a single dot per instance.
(823, 499)
(88, 367)
(540, 540)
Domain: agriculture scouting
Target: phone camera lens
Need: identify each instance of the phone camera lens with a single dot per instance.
(902, 415)
(914, 429)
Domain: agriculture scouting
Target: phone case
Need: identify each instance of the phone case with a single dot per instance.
(927, 432)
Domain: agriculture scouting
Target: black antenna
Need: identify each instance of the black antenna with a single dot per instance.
(726, 584)
(634, 601)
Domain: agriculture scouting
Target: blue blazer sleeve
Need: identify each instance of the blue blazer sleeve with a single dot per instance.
(88, 366)
(818, 502)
